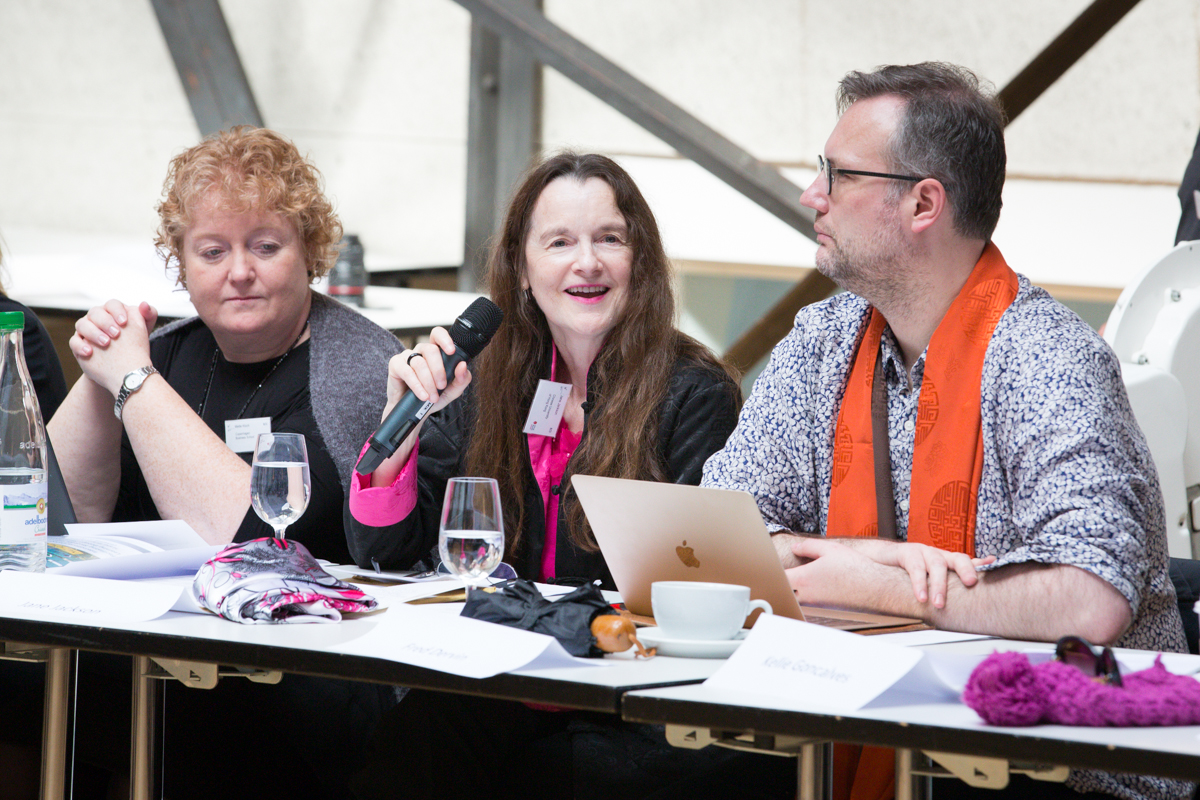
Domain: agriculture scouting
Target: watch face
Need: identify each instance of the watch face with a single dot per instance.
(134, 380)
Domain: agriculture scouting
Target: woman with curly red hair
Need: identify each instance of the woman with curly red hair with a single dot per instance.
(246, 225)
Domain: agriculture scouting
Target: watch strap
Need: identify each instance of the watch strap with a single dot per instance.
(126, 390)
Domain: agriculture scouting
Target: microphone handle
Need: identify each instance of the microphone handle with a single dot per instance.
(401, 420)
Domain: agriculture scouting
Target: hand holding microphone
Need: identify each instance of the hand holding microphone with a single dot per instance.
(423, 371)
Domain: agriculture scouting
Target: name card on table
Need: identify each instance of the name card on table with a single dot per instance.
(820, 666)
(435, 637)
(85, 601)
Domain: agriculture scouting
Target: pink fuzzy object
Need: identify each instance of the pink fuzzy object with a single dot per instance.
(1005, 689)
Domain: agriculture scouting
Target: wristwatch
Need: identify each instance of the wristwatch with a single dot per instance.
(132, 382)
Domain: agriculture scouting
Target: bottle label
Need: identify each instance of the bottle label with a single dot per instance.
(23, 518)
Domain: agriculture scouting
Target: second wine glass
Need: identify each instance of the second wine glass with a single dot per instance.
(279, 479)
(471, 538)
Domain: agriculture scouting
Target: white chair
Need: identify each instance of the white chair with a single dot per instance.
(1155, 330)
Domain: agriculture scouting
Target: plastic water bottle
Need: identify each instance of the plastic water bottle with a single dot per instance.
(23, 483)
(348, 278)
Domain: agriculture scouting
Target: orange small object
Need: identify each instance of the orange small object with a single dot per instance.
(616, 634)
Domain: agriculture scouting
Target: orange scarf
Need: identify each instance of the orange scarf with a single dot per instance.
(948, 444)
(947, 460)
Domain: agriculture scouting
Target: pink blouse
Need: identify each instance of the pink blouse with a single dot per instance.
(387, 505)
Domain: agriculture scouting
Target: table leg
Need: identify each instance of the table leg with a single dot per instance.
(904, 776)
(54, 723)
(145, 762)
(813, 771)
(913, 781)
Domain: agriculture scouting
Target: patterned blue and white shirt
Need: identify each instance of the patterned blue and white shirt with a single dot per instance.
(1067, 476)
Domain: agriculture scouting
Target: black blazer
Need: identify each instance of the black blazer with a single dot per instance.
(695, 419)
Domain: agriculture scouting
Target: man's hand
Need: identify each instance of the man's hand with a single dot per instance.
(785, 542)
(927, 567)
(826, 567)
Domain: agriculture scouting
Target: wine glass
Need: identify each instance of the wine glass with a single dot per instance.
(279, 481)
(471, 539)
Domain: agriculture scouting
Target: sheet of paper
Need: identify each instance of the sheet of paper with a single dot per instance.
(142, 565)
(166, 534)
(820, 666)
(87, 601)
(352, 573)
(401, 593)
(128, 550)
(433, 638)
(922, 638)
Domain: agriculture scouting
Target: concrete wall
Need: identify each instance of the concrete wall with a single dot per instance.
(91, 108)
(764, 74)
(91, 111)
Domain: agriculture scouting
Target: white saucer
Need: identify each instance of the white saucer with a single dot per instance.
(690, 648)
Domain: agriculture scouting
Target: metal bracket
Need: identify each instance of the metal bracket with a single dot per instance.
(689, 738)
(22, 651)
(201, 675)
(989, 773)
(693, 738)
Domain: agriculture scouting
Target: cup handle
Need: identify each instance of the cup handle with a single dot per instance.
(762, 604)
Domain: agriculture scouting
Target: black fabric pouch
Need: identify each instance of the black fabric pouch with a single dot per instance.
(568, 618)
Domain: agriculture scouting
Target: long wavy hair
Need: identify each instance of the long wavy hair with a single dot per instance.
(628, 381)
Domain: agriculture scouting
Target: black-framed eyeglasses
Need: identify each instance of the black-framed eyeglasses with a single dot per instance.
(830, 170)
(1088, 658)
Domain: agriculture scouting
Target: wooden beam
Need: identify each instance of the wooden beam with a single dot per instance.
(1061, 54)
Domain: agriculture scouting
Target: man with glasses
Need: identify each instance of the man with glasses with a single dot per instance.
(965, 438)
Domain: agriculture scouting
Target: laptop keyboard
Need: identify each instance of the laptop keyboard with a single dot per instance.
(831, 622)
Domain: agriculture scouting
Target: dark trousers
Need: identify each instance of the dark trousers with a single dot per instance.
(436, 745)
(299, 739)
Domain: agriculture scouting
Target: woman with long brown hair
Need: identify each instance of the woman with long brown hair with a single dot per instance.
(580, 273)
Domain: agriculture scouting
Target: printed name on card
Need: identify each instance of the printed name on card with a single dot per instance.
(547, 410)
(241, 434)
(792, 660)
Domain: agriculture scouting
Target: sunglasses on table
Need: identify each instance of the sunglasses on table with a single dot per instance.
(1099, 662)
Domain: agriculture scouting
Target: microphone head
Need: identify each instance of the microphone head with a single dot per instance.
(476, 326)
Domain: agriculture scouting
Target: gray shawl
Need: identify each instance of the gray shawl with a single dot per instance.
(347, 377)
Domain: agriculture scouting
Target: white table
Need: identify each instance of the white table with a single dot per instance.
(307, 649)
(942, 727)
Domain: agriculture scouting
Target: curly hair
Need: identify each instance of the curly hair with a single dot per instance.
(248, 168)
(631, 374)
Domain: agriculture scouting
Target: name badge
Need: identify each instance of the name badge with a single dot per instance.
(548, 405)
(240, 434)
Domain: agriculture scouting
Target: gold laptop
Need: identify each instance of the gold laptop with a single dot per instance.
(652, 531)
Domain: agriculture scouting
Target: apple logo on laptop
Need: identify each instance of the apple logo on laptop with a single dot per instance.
(687, 555)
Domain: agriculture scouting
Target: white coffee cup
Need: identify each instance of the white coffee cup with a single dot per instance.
(702, 611)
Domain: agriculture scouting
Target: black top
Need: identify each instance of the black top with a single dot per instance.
(1189, 223)
(696, 417)
(42, 360)
(185, 358)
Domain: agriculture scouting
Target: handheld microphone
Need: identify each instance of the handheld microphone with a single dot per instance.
(471, 332)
